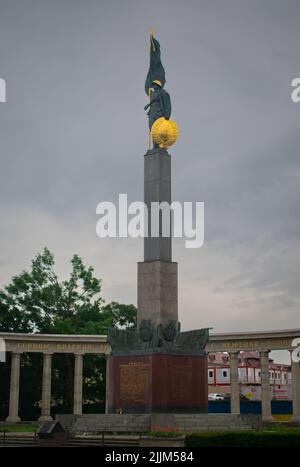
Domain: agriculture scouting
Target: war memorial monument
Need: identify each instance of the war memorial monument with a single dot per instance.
(155, 372)
(156, 367)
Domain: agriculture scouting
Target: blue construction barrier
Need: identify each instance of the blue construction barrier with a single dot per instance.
(254, 407)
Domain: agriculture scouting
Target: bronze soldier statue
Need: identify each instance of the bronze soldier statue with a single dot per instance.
(160, 103)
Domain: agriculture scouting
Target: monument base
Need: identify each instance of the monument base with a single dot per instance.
(158, 383)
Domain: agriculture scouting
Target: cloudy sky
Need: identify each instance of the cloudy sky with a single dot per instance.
(73, 133)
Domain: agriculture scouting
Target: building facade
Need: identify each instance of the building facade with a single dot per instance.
(249, 376)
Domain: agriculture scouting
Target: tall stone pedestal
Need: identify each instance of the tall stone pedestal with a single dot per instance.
(156, 368)
(158, 383)
(157, 291)
(157, 189)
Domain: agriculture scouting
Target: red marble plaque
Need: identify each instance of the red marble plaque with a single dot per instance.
(158, 383)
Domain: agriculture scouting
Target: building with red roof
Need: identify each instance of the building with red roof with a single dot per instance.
(249, 376)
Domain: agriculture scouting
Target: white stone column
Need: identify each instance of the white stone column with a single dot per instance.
(46, 387)
(265, 387)
(234, 383)
(107, 384)
(78, 371)
(296, 390)
(13, 415)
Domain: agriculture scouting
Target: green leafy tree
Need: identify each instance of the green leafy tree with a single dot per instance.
(37, 302)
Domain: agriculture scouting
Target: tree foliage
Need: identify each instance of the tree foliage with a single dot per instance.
(36, 301)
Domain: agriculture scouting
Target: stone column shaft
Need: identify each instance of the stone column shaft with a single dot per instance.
(13, 415)
(265, 387)
(157, 188)
(234, 383)
(46, 387)
(157, 275)
(157, 292)
(78, 371)
(296, 391)
(107, 385)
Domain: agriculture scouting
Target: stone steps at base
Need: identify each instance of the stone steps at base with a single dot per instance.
(94, 441)
(136, 423)
(18, 445)
(208, 419)
(14, 441)
(216, 429)
(99, 430)
(210, 423)
(111, 423)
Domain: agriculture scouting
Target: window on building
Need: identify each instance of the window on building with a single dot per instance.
(225, 373)
(211, 373)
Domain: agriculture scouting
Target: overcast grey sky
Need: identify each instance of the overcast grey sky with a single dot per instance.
(73, 133)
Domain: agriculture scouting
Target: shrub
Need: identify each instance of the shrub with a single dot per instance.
(244, 439)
